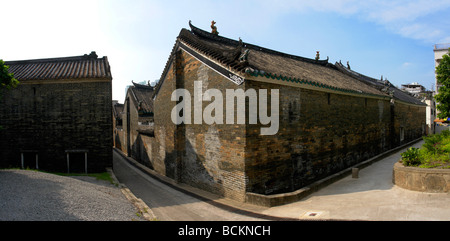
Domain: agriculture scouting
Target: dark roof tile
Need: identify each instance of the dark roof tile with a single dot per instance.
(142, 97)
(117, 110)
(252, 60)
(382, 85)
(271, 63)
(77, 67)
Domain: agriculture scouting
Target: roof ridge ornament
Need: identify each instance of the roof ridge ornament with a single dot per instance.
(244, 56)
(214, 28)
(146, 86)
(92, 55)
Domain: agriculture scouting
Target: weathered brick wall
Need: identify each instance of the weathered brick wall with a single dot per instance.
(209, 157)
(119, 139)
(144, 144)
(412, 119)
(163, 155)
(52, 118)
(130, 126)
(320, 134)
(212, 155)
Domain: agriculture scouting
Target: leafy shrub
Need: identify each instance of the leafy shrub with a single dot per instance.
(432, 143)
(411, 157)
(434, 153)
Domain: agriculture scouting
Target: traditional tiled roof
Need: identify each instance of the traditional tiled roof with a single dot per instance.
(249, 61)
(117, 110)
(229, 51)
(77, 67)
(142, 98)
(239, 61)
(380, 84)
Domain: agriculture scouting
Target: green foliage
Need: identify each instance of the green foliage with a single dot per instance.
(437, 144)
(7, 80)
(443, 78)
(411, 157)
(434, 153)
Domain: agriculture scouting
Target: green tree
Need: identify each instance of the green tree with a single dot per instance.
(443, 78)
(7, 80)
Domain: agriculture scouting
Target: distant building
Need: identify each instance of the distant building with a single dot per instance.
(144, 83)
(59, 117)
(137, 120)
(117, 123)
(413, 88)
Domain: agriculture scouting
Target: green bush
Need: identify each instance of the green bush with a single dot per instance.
(434, 143)
(411, 157)
(434, 153)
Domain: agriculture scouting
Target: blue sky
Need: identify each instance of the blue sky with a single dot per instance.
(378, 37)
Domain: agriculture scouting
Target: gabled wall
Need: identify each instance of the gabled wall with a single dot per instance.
(212, 155)
(130, 120)
(162, 152)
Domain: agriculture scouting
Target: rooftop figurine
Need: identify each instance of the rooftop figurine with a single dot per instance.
(214, 28)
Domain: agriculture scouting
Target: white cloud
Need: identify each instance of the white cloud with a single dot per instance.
(421, 32)
(406, 64)
(387, 12)
(418, 19)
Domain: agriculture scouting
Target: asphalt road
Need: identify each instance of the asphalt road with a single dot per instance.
(167, 203)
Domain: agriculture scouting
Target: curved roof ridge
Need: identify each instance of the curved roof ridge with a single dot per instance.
(366, 78)
(382, 85)
(204, 34)
(75, 67)
(243, 58)
(142, 97)
(91, 56)
(147, 86)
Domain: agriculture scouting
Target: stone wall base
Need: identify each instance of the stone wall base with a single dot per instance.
(421, 179)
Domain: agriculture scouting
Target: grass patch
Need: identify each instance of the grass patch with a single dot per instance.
(434, 153)
(104, 176)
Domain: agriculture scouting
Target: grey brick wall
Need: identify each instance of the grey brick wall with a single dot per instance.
(55, 117)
